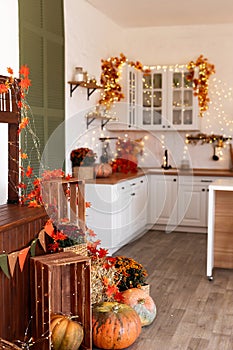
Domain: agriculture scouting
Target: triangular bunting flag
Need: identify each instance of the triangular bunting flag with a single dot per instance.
(41, 238)
(33, 247)
(12, 258)
(22, 257)
(49, 229)
(4, 264)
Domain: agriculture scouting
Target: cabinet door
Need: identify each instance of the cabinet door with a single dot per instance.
(182, 105)
(126, 110)
(152, 100)
(192, 208)
(163, 200)
(139, 204)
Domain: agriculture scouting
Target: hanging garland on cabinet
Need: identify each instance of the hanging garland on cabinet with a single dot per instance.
(200, 72)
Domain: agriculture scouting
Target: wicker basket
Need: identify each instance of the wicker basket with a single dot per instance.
(146, 288)
(80, 249)
(7, 345)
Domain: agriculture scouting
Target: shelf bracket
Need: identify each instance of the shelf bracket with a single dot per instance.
(104, 122)
(90, 92)
(73, 87)
(89, 121)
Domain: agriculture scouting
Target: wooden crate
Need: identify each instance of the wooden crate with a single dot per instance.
(60, 283)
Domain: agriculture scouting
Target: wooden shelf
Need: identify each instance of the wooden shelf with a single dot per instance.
(90, 86)
(104, 119)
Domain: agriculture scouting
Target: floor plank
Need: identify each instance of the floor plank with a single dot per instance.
(192, 312)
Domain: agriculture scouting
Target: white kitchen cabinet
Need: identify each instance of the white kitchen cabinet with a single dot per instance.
(118, 212)
(152, 100)
(160, 100)
(126, 110)
(178, 202)
(163, 200)
(182, 104)
(166, 100)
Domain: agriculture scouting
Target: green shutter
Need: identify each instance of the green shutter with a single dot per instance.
(41, 29)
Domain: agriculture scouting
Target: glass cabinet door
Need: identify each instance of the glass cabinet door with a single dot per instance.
(132, 98)
(183, 107)
(152, 99)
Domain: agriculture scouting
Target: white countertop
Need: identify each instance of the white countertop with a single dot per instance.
(222, 185)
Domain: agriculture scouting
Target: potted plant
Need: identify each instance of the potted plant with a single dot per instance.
(83, 160)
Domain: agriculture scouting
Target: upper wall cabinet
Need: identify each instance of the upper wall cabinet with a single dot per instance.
(160, 100)
(126, 111)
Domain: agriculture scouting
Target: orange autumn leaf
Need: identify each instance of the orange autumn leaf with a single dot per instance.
(33, 204)
(29, 171)
(10, 70)
(23, 156)
(23, 123)
(3, 89)
(111, 290)
(25, 83)
(88, 204)
(24, 70)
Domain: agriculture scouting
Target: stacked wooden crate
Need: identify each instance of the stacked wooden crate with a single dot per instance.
(61, 284)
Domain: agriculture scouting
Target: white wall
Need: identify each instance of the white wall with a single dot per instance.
(9, 58)
(89, 37)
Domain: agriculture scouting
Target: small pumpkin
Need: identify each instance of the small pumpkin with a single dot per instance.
(65, 333)
(103, 170)
(142, 303)
(114, 325)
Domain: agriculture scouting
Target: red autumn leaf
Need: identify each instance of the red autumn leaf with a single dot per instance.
(29, 171)
(103, 252)
(22, 185)
(119, 297)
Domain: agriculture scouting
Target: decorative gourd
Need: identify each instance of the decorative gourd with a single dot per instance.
(114, 325)
(103, 170)
(142, 303)
(65, 333)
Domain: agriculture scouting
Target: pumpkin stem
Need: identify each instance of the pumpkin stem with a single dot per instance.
(115, 308)
(141, 301)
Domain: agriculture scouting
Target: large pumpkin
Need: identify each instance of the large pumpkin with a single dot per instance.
(103, 170)
(142, 303)
(114, 325)
(65, 333)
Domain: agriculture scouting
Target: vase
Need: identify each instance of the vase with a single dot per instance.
(146, 288)
(83, 172)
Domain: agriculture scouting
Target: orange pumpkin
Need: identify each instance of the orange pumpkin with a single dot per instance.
(142, 303)
(103, 170)
(114, 325)
(65, 333)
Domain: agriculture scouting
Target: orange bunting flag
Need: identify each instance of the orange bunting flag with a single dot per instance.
(12, 259)
(22, 257)
(41, 238)
(49, 228)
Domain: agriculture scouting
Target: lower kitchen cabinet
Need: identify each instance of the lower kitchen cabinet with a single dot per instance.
(118, 212)
(193, 202)
(163, 200)
(179, 202)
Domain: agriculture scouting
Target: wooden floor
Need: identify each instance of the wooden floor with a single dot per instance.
(192, 312)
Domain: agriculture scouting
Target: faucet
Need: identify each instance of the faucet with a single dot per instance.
(165, 160)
